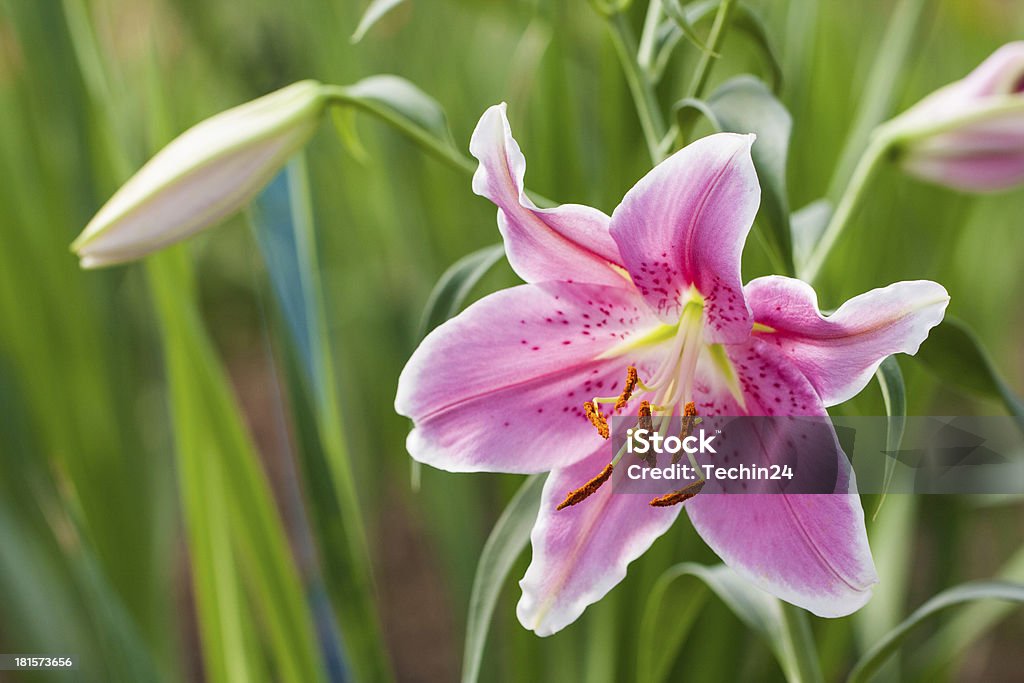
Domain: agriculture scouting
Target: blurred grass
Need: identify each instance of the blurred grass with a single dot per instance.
(91, 533)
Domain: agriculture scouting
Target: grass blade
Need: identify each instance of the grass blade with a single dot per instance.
(507, 541)
(222, 483)
(282, 220)
(964, 593)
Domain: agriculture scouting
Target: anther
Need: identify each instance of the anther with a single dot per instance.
(627, 391)
(689, 422)
(645, 421)
(585, 491)
(676, 497)
(596, 418)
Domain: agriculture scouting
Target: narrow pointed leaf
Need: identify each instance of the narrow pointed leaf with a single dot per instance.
(282, 220)
(964, 593)
(675, 11)
(374, 13)
(393, 96)
(234, 526)
(683, 19)
(449, 294)
(956, 355)
(966, 627)
(807, 226)
(666, 622)
(894, 395)
(748, 22)
(506, 543)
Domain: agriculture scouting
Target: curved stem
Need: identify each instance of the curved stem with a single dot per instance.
(801, 659)
(337, 94)
(881, 86)
(862, 175)
(645, 55)
(715, 38)
(651, 120)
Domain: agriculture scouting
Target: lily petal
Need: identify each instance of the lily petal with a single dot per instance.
(1000, 74)
(839, 353)
(581, 552)
(808, 549)
(685, 223)
(569, 242)
(500, 387)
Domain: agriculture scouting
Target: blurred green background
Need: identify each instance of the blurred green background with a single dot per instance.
(93, 557)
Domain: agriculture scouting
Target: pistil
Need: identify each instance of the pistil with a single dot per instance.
(670, 384)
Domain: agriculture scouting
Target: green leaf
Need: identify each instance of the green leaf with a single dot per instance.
(956, 355)
(966, 627)
(506, 543)
(388, 95)
(681, 23)
(745, 105)
(964, 593)
(664, 625)
(282, 220)
(374, 13)
(449, 294)
(344, 120)
(674, 10)
(405, 107)
(894, 395)
(747, 21)
(807, 225)
(233, 526)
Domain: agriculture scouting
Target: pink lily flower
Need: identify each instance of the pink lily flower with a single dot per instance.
(969, 135)
(656, 288)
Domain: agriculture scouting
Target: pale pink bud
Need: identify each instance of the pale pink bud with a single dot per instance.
(203, 176)
(969, 135)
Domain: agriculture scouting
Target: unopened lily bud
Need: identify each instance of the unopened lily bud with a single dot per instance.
(203, 176)
(969, 135)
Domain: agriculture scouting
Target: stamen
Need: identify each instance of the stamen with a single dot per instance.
(627, 391)
(645, 422)
(585, 491)
(689, 418)
(596, 418)
(690, 421)
(676, 497)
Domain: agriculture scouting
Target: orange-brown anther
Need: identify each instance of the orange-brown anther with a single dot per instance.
(585, 491)
(596, 419)
(627, 391)
(689, 415)
(645, 421)
(686, 429)
(677, 497)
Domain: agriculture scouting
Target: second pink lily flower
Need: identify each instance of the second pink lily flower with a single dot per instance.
(656, 286)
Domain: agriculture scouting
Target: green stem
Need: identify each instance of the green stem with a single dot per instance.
(651, 120)
(862, 175)
(338, 94)
(877, 99)
(715, 38)
(646, 54)
(360, 624)
(803, 666)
